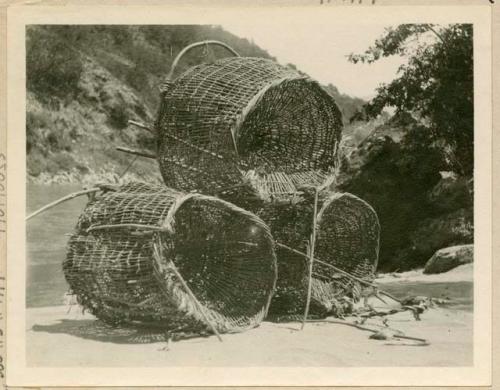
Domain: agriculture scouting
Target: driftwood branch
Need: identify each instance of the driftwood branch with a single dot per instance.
(364, 328)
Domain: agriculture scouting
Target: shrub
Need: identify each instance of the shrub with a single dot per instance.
(36, 123)
(118, 117)
(53, 68)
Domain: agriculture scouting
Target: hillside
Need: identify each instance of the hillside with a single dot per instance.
(85, 82)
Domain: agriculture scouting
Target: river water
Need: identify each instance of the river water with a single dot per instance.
(46, 236)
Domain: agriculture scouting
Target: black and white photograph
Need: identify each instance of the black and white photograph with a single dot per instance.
(259, 192)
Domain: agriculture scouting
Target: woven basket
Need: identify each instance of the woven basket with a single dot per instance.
(347, 238)
(186, 262)
(261, 136)
(246, 120)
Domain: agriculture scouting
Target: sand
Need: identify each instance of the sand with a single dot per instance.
(56, 338)
(462, 273)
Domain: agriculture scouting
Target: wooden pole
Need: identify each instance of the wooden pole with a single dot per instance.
(61, 200)
(311, 258)
(141, 125)
(136, 152)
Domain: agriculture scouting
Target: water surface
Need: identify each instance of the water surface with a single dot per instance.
(46, 236)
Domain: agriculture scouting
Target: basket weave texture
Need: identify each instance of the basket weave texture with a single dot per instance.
(261, 136)
(347, 237)
(246, 118)
(134, 243)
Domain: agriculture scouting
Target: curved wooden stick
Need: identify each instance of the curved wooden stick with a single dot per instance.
(192, 46)
(61, 200)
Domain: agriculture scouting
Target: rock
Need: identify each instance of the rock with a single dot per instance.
(448, 258)
(446, 230)
(452, 192)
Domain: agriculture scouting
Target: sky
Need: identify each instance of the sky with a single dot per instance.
(321, 50)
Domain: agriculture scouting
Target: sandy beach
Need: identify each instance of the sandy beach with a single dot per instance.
(89, 343)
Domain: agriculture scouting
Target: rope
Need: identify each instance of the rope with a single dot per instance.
(365, 282)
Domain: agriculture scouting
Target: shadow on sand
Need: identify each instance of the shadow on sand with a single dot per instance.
(99, 331)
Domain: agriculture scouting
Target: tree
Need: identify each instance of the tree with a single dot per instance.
(435, 85)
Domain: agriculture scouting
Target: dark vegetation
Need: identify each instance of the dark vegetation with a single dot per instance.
(421, 184)
(137, 55)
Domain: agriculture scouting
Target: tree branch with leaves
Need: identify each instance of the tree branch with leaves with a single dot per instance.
(435, 85)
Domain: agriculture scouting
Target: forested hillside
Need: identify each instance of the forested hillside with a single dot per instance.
(85, 82)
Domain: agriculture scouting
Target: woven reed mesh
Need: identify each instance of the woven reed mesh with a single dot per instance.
(258, 134)
(347, 237)
(126, 273)
(238, 117)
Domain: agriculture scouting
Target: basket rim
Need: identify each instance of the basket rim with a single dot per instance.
(176, 292)
(255, 101)
(339, 195)
(169, 224)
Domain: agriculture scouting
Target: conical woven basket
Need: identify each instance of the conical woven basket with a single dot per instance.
(347, 239)
(246, 120)
(154, 256)
(261, 136)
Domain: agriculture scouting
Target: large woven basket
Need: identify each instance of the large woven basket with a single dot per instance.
(246, 120)
(263, 136)
(347, 239)
(154, 256)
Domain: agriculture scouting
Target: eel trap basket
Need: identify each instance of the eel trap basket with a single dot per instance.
(345, 255)
(157, 257)
(245, 120)
(262, 136)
